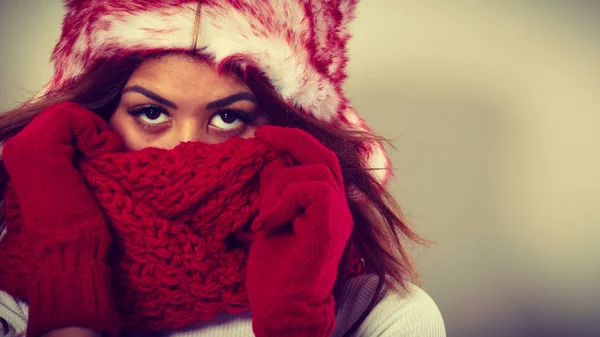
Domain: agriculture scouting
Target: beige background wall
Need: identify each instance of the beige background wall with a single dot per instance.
(495, 106)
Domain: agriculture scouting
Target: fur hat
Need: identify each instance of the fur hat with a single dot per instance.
(300, 45)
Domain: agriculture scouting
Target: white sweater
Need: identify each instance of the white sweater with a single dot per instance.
(413, 314)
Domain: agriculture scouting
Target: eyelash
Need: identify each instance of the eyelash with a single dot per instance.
(137, 111)
(245, 117)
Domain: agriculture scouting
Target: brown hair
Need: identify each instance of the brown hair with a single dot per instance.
(379, 225)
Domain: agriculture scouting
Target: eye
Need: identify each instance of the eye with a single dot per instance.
(150, 114)
(229, 119)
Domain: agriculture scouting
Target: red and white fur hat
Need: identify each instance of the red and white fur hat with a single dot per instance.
(300, 45)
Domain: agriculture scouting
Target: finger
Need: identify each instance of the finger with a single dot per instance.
(95, 145)
(283, 210)
(276, 180)
(326, 214)
(93, 136)
(268, 173)
(81, 120)
(302, 146)
(316, 212)
(295, 199)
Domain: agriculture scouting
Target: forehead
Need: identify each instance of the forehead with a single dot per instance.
(184, 75)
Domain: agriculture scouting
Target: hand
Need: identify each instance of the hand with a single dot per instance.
(303, 226)
(39, 161)
(68, 231)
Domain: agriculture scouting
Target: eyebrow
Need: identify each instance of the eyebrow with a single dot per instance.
(223, 102)
(241, 96)
(152, 95)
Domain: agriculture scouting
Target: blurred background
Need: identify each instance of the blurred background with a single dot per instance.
(494, 110)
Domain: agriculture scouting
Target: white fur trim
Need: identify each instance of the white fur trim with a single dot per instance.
(299, 45)
(224, 32)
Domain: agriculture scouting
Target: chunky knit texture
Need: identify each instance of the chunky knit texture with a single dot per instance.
(181, 219)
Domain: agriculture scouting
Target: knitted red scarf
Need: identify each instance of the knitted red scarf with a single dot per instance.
(179, 219)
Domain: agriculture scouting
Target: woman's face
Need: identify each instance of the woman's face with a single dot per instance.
(177, 98)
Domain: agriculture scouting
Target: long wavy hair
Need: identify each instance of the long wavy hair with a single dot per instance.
(380, 229)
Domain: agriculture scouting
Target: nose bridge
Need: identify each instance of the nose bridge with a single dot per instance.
(189, 129)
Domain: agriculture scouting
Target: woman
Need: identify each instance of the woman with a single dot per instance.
(136, 75)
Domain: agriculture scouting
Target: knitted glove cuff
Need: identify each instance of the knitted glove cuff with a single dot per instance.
(59, 253)
(75, 297)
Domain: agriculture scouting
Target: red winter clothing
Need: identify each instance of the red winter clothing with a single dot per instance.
(70, 284)
(180, 219)
(183, 223)
(302, 261)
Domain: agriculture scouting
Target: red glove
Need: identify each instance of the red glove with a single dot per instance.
(302, 229)
(68, 230)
